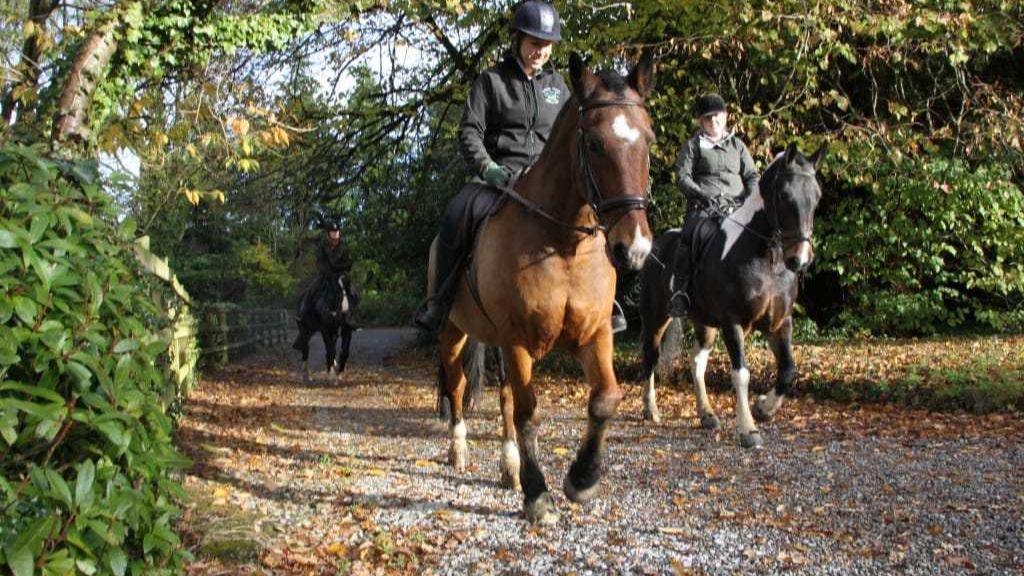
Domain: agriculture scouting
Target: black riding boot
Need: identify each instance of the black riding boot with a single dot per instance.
(618, 318)
(679, 304)
(432, 316)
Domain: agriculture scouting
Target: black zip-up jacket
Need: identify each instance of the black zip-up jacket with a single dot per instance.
(508, 116)
(333, 261)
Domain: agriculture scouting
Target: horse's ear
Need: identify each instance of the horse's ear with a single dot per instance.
(584, 82)
(641, 78)
(815, 159)
(791, 153)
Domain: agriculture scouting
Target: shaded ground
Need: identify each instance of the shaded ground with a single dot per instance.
(351, 477)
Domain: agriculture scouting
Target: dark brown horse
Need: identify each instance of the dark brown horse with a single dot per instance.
(542, 270)
(746, 278)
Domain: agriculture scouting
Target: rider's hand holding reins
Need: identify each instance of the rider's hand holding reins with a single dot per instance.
(497, 175)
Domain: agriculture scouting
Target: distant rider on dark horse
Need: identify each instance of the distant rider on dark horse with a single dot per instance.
(716, 174)
(333, 263)
(507, 119)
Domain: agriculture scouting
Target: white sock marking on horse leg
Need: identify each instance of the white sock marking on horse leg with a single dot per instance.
(650, 399)
(770, 403)
(744, 420)
(698, 365)
(639, 249)
(625, 132)
(458, 448)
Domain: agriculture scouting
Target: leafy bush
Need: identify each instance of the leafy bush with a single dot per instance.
(929, 246)
(85, 482)
(268, 279)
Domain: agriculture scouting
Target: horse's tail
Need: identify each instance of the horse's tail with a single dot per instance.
(475, 367)
(671, 348)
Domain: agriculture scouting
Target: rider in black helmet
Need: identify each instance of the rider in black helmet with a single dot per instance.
(716, 174)
(333, 262)
(507, 119)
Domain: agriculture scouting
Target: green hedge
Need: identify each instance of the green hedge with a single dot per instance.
(87, 457)
(929, 246)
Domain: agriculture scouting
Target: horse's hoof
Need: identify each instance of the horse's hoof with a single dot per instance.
(751, 440)
(542, 510)
(457, 457)
(652, 415)
(578, 495)
(710, 422)
(510, 480)
(760, 414)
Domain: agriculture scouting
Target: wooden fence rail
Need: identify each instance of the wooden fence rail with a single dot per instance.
(207, 334)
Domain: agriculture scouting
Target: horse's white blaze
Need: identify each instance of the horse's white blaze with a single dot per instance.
(625, 132)
(733, 225)
(638, 250)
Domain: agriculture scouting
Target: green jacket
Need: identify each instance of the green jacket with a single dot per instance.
(706, 171)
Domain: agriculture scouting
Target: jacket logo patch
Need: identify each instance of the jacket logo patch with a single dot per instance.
(552, 95)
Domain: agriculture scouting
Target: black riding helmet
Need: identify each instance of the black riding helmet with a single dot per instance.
(537, 19)
(331, 226)
(710, 104)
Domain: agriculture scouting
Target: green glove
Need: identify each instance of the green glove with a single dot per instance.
(496, 175)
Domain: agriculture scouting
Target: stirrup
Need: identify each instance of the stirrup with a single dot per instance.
(618, 318)
(679, 304)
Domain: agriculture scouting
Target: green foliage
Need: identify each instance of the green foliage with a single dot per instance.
(984, 386)
(85, 482)
(930, 245)
(268, 278)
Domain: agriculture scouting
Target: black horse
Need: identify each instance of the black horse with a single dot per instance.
(328, 312)
(746, 276)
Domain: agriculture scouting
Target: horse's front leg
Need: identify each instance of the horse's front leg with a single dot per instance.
(509, 450)
(705, 339)
(451, 341)
(330, 336)
(747, 431)
(302, 345)
(781, 343)
(651, 336)
(605, 395)
(346, 344)
(538, 506)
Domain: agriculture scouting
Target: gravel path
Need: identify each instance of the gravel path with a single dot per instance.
(352, 476)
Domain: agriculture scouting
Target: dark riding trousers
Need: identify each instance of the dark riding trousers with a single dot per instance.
(462, 219)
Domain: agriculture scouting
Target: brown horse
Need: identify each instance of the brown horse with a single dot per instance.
(747, 278)
(544, 278)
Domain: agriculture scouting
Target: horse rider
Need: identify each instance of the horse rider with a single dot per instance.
(508, 116)
(716, 174)
(333, 263)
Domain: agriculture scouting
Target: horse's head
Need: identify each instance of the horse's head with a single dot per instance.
(613, 154)
(792, 196)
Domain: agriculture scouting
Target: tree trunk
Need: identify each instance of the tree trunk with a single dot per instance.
(89, 66)
(31, 51)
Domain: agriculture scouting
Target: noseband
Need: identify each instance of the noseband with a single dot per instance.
(780, 239)
(594, 198)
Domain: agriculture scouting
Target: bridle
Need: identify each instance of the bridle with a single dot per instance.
(593, 196)
(597, 202)
(776, 239)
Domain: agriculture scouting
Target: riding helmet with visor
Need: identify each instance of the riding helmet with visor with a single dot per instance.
(710, 104)
(537, 19)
